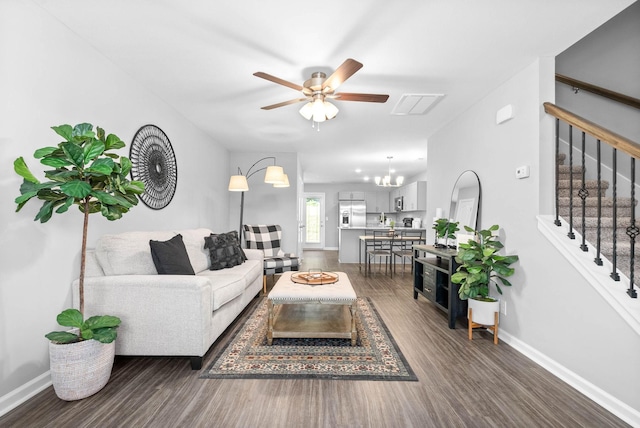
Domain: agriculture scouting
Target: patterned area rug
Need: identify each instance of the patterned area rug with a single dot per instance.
(375, 356)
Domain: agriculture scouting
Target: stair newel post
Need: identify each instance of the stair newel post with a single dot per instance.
(632, 231)
(571, 235)
(614, 180)
(598, 260)
(557, 221)
(583, 193)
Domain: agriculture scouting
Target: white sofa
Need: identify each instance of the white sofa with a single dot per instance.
(166, 315)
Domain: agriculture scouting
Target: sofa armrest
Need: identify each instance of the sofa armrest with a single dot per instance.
(253, 254)
(161, 314)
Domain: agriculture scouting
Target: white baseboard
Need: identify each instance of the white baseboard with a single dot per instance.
(19, 395)
(603, 398)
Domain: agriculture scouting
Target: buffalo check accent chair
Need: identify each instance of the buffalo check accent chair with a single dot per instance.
(268, 238)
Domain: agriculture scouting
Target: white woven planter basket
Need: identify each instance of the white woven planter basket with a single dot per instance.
(79, 370)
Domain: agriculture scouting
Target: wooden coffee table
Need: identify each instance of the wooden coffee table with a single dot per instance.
(312, 311)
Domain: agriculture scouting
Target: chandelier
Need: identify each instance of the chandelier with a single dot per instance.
(386, 180)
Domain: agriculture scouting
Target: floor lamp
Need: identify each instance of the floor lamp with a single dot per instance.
(274, 175)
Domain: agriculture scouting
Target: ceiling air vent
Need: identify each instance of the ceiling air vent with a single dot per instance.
(412, 104)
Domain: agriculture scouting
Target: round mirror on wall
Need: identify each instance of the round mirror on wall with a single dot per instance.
(465, 200)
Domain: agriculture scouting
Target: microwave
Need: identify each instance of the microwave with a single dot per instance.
(398, 203)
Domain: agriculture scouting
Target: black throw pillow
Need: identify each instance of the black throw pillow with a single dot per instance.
(224, 250)
(170, 257)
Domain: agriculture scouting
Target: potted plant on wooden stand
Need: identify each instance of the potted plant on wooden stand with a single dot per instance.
(445, 229)
(86, 173)
(479, 266)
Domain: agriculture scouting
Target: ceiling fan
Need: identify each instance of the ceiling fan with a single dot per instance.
(319, 88)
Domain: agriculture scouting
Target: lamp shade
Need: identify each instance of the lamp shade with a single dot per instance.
(307, 110)
(318, 111)
(330, 110)
(274, 175)
(284, 184)
(238, 183)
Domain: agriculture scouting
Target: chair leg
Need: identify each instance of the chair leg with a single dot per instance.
(264, 284)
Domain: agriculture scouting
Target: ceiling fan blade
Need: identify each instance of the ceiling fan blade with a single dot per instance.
(284, 103)
(369, 98)
(278, 80)
(342, 73)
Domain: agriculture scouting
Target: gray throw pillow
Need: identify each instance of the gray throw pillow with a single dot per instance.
(224, 250)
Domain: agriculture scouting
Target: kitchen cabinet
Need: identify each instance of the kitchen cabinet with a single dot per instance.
(432, 270)
(351, 196)
(377, 202)
(415, 196)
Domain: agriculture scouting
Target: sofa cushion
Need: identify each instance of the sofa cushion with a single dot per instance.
(224, 250)
(193, 242)
(170, 257)
(128, 253)
(226, 285)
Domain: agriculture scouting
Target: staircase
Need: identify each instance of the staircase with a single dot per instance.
(570, 183)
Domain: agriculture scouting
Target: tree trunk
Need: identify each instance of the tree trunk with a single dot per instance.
(83, 254)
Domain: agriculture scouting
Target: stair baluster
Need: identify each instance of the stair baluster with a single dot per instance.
(598, 260)
(583, 193)
(614, 180)
(632, 232)
(571, 235)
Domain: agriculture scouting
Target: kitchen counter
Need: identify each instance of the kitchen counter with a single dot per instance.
(349, 241)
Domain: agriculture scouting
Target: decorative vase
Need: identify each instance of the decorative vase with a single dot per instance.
(483, 312)
(79, 370)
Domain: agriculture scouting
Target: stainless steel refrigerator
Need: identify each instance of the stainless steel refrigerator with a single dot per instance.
(352, 214)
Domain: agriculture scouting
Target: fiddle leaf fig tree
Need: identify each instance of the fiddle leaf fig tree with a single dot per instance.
(480, 265)
(83, 171)
(445, 228)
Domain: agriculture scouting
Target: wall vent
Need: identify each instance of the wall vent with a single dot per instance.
(413, 104)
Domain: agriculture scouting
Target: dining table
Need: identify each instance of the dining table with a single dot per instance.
(392, 237)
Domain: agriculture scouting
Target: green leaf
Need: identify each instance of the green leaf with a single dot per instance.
(102, 321)
(125, 165)
(113, 142)
(92, 150)
(45, 212)
(136, 187)
(106, 198)
(45, 151)
(62, 175)
(102, 166)
(70, 200)
(21, 168)
(83, 130)
(22, 199)
(62, 337)
(55, 162)
(86, 333)
(75, 153)
(65, 131)
(70, 318)
(112, 212)
(105, 335)
(100, 134)
(77, 189)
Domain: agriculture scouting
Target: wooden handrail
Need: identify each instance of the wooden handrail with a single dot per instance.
(603, 134)
(612, 95)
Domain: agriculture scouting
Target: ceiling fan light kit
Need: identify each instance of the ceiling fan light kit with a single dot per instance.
(318, 88)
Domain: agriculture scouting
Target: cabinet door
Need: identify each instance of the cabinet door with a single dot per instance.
(410, 196)
(357, 196)
(383, 202)
(371, 200)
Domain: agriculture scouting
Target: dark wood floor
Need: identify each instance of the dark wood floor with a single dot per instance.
(462, 383)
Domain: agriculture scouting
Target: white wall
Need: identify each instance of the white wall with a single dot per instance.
(551, 308)
(48, 76)
(263, 203)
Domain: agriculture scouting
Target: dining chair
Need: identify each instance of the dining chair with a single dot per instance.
(379, 246)
(404, 248)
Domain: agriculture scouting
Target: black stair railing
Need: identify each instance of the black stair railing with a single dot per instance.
(621, 146)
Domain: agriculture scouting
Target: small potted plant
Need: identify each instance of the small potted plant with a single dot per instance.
(445, 229)
(84, 172)
(479, 266)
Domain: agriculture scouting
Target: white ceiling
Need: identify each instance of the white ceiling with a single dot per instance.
(200, 55)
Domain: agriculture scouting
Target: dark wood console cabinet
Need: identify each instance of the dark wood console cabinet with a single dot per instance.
(432, 270)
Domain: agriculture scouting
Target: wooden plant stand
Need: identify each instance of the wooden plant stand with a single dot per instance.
(493, 328)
